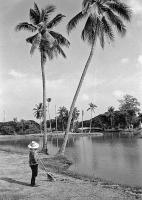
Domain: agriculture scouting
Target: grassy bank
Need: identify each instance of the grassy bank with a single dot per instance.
(15, 177)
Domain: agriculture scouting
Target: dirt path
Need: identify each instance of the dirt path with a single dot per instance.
(15, 177)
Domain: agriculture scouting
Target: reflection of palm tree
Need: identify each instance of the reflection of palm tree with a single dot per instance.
(38, 113)
(47, 41)
(92, 108)
(49, 100)
(102, 17)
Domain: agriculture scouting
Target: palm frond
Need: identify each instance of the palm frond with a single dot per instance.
(90, 30)
(35, 43)
(55, 21)
(117, 22)
(25, 26)
(47, 11)
(34, 18)
(74, 21)
(48, 37)
(107, 29)
(43, 57)
(122, 9)
(101, 36)
(36, 9)
(60, 39)
(60, 51)
(45, 47)
(30, 39)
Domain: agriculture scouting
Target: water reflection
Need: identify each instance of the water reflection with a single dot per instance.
(119, 160)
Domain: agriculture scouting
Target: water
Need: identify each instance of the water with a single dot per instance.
(118, 160)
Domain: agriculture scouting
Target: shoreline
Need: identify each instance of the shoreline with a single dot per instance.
(12, 182)
(64, 171)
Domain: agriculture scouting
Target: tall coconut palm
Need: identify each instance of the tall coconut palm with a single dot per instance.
(47, 41)
(48, 102)
(38, 113)
(92, 108)
(102, 18)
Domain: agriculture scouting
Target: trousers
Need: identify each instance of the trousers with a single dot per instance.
(34, 169)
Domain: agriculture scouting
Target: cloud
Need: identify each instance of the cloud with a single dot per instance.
(136, 6)
(118, 93)
(140, 59)
(92, 81)
(85, 97)
(16, 74)
(125, 60)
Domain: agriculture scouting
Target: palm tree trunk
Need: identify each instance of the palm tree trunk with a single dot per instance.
(44, 105)
(40, 126)
(62, 149)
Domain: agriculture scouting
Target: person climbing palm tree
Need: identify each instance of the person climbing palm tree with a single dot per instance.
(102, 18)
(47, 41)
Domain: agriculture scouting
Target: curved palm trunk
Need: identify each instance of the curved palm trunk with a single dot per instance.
(62, 149)
(44, 105)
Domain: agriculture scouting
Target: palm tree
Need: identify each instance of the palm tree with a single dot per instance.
(92, 108)
(63, 116)
(38, 113)
(47, 41)
(49, 100)
(75, 116)
(110, 114)
(102, 18)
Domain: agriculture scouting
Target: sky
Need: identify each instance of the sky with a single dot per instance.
(113, 72)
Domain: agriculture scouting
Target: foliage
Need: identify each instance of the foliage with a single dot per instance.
(38, 111)
(63, 116)
(22, 127)
(129, 106)
(46, 40)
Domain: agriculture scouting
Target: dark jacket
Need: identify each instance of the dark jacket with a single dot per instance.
(33, 157)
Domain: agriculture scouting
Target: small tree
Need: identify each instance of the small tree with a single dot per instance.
(38, 114)
(92, 108)
(129, 106)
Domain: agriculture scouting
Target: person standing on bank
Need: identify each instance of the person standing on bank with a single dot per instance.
(33, 160)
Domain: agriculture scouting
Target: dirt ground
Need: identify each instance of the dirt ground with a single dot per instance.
(15, 177)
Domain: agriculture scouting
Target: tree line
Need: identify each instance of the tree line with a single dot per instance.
(127, 116)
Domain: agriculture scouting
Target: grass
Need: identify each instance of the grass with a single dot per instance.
(12, 196)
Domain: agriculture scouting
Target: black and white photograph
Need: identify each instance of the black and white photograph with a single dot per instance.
(70, 99)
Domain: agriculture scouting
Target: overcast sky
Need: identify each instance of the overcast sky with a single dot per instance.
(114, 71)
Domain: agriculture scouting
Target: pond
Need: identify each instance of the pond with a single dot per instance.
(117, 159)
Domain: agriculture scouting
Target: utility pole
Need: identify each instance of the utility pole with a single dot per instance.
(82, 120)
(56, 117)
